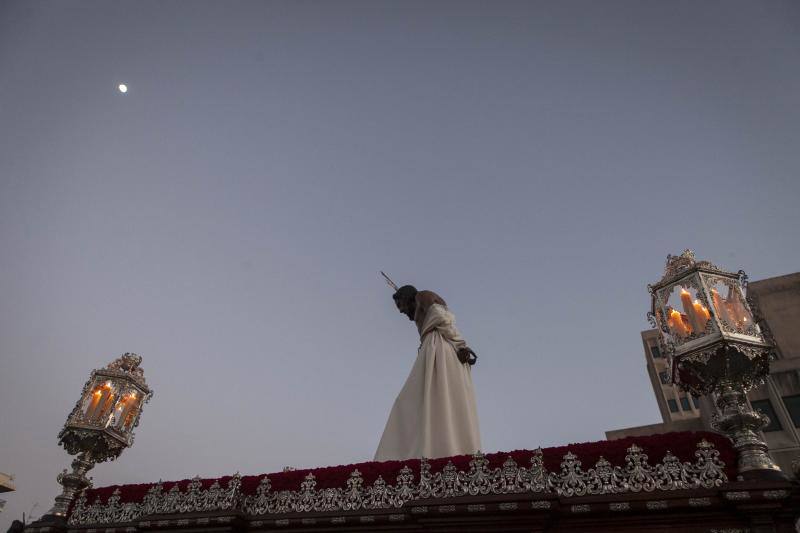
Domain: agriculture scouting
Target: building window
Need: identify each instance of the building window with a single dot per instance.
(765, 407)
(685, 404)
(664, 377)
(793, 406)
(655, 351)
(696, 402)
(673, 405)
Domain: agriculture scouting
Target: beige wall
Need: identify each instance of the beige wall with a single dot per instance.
(779, 301)
(6, 483)
(690, 424)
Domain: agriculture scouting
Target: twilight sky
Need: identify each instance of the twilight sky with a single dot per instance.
(533, 162)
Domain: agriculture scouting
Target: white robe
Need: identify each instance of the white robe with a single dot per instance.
(435, 414)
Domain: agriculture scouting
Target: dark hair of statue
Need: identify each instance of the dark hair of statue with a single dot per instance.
(406, 292)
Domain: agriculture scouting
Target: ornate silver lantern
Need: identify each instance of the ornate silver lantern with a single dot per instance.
(715, 346)
(101, 424)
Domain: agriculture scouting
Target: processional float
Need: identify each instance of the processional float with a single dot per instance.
(716, 344)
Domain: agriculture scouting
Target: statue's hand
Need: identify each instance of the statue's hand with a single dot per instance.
(467, 356)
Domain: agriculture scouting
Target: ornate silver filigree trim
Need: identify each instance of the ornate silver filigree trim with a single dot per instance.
(636, 475)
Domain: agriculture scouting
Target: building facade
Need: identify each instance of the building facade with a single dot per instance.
(6, 485)
(778, 301)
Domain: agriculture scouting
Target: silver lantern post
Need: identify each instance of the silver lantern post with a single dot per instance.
(100, 425)
(715, 346)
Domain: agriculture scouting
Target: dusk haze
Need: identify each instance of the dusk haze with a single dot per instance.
(216, 186)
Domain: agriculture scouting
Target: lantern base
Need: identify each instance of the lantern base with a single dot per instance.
(738, 421)
(73, 482)
(763, 475)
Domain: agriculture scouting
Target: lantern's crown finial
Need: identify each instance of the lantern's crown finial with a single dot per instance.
(678, 263)
(128, 363)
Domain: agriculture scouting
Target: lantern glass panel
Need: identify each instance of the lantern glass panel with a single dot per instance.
(126, 410)
(730, 307)
(685, 312)
(99, 403)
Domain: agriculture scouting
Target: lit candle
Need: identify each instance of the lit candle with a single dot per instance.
(119, 410)
(688, 308)
(93, 404)
(720, 306)
(101, 402)
(702, 315)
(737, 310)
(128, 402)
(675, 323)
(106, 406)
(128, 422)
(686, 324)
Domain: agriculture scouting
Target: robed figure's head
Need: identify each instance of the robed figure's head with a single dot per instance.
(406, 300)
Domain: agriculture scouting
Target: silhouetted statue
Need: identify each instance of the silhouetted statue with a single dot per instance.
(435, 414)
